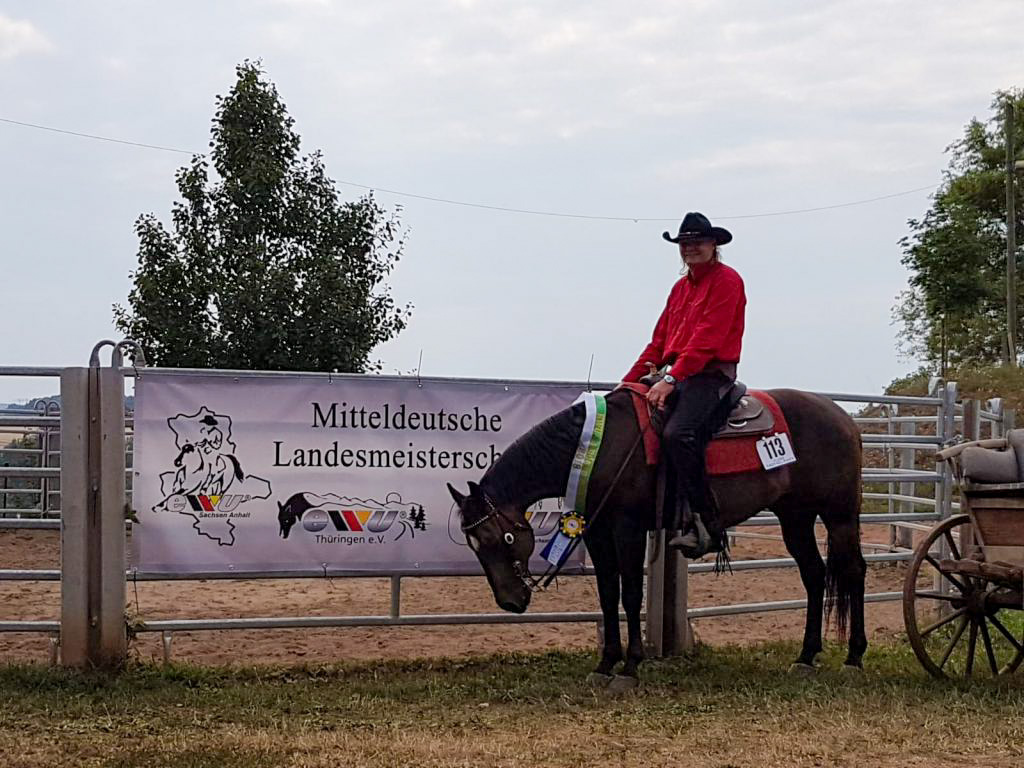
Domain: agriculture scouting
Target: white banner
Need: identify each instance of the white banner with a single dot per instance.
(303, 473)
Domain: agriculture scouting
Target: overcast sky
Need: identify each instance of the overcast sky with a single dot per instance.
(643, 110)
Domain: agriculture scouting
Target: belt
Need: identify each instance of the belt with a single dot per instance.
(728, 369)
(720, 366)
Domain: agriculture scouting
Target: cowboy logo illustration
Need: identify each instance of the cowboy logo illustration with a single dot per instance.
(208, 482)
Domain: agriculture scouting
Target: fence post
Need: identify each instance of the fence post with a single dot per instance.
(972, 420)
(44, 461)
(901, 535)
(74, 517)
(55, 449)
(995, 406)
(971, 431)
(946, 428)
(668, 625)
(112, 639)
(890, 454)
(948, 431)
(655, 597)
(1009, 419)
(676, 622)
(93, 629)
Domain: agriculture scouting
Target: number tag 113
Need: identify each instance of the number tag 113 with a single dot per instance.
(775, 451)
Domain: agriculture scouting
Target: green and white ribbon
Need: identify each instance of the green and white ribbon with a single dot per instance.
(586, 452)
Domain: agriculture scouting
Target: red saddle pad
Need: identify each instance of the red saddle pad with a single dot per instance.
(725, 456)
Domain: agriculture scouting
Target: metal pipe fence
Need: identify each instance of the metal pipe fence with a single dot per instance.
(899, 478)
(133, 576)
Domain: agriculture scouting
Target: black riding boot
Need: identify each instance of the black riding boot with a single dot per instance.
(693, 420)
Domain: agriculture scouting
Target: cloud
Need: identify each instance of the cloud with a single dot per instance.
(19, 37)
(514, 73)
(845, 151)
(648, 108)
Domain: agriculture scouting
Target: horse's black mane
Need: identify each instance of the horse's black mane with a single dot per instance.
(536, 465)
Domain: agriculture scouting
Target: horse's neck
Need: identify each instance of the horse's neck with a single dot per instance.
(536, 466)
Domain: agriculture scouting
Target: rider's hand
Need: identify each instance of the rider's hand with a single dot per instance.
(659, 393)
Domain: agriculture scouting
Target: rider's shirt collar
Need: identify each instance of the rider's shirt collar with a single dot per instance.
(697, 272)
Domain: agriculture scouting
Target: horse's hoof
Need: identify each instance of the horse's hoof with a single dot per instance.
(799, 669)
(621, 684)
(597, 680)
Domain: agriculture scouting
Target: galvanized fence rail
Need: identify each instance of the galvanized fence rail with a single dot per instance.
(896, 484)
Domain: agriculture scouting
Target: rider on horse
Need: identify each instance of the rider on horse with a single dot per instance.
(699, 335)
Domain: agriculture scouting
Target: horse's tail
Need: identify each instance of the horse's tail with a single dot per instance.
(844, 574)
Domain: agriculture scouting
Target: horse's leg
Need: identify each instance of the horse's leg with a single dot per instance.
(631, 546)
(844, 579)
(602, 554)
(798, 534)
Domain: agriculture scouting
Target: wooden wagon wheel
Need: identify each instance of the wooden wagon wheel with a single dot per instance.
(966, 627)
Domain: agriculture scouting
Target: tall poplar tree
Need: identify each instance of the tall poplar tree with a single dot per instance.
(266, 267)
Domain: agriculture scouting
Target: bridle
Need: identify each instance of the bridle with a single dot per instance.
(521, 569)
(507, 527)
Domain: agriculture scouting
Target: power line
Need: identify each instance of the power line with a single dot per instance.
(831, 207)
(635, 219)
(503, 209)
(94, 136)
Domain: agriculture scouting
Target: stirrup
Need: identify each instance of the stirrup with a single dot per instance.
(695, 543)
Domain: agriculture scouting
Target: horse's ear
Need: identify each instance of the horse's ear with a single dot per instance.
(459, 498)
(474, 490)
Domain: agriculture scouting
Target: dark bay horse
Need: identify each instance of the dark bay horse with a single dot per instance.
(825, 481)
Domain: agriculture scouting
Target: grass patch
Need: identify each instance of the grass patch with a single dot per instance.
(197, 757)
(726, 706)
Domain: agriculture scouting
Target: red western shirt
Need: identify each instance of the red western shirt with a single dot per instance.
(702, 322)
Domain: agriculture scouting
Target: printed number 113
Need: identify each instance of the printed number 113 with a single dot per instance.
(775, 448)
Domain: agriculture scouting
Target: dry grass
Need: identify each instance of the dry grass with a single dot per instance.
(725, 707)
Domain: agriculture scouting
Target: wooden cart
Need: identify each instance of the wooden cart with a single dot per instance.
(963, 595)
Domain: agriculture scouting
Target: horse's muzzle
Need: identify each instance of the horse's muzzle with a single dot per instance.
(513, 607)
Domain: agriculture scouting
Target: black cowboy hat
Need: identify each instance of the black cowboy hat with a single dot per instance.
(696, 226)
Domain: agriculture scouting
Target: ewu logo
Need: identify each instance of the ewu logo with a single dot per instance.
(350, 520)
(344, 519)
(544, 521)
(203, 503)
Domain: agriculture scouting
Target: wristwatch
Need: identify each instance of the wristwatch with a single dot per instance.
(668, 377)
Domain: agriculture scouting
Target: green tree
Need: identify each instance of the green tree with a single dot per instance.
(955, 306)
(266, 267)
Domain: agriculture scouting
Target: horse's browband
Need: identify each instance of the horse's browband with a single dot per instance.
(493, 513)
(481, 521)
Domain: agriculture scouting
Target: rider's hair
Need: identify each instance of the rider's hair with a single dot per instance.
(714, 259)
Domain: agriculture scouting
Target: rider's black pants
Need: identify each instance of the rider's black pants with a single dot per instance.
(696, 411)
